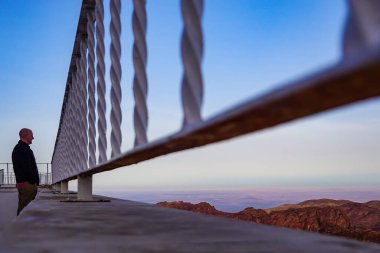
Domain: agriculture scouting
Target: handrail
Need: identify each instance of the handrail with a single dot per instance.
(353, 79)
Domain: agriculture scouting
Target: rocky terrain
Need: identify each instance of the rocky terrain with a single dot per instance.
(336, 217)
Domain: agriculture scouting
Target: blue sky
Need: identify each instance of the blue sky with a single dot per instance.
(251, 46)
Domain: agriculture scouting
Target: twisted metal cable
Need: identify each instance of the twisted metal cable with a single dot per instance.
(83, 99)
(361, 30)
(192, 52)
(65, 154)
(67, 143)
(72, 125)
(140, 82)
(91, 88)
(58, 154)
(62, 141)
(115, 73)
(77, 121)
(73, 128)
(69, 133)
(54, 170)
(101, 84)
(66, 136)
(78, 115)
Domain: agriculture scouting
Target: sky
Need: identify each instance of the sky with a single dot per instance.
(251, 47)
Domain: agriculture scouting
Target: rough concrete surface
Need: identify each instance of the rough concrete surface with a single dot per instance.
(48, 225)
(8, 206)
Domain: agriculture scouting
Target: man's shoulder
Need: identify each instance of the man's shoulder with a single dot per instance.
(19, 148)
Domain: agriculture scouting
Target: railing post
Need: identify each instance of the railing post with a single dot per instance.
(8, 173)
(47, 174)
(1, 177)
(64, 186)
(57, 187)
(84, 187)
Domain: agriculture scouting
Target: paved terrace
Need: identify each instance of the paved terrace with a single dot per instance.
(48, 225)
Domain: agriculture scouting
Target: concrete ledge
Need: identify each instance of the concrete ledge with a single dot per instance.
(8, 206)
(48, 225)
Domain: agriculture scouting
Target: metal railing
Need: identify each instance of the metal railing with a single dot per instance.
(356, 77)
(2, 181)
(7, 176)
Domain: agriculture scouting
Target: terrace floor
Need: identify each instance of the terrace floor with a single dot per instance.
(48, 225)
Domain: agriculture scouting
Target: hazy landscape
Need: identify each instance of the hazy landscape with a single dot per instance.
(346, 218)
(352, 213)
(233, 200)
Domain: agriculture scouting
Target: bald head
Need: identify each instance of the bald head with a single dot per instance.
(26, 135)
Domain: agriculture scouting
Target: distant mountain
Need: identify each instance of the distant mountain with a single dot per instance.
(324, 202)
(336, 217)
(373, 203)
(310, 203)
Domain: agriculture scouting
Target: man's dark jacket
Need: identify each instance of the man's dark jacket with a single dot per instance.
(24, 164)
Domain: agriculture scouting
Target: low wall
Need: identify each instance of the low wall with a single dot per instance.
(49, 225)
(8, 206)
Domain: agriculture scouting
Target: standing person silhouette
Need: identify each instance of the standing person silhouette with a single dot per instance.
(25, 168)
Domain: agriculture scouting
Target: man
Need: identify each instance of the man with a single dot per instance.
(25, 168)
